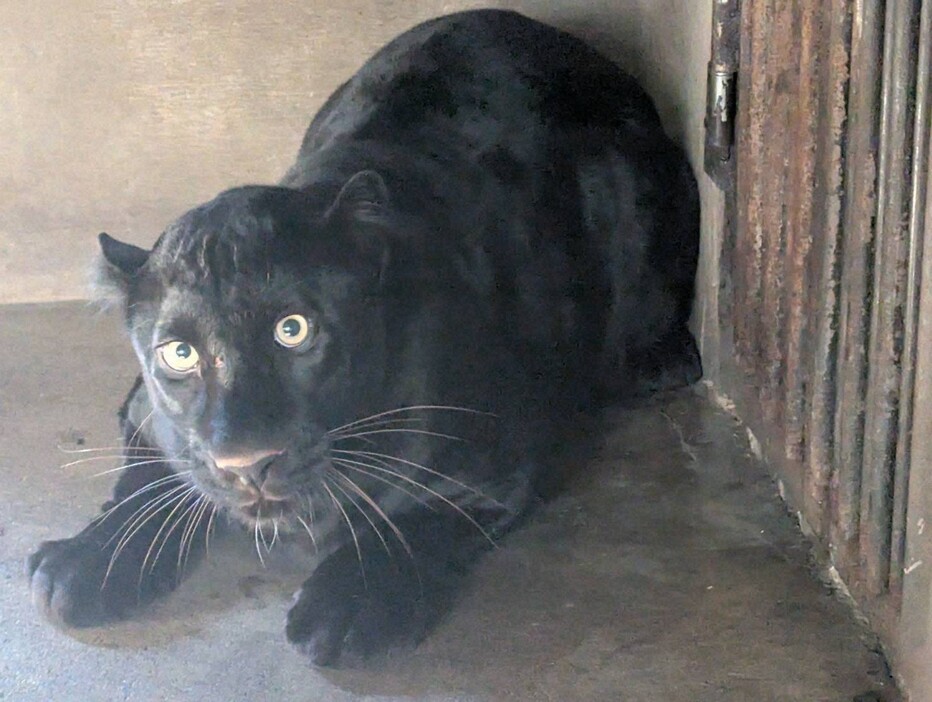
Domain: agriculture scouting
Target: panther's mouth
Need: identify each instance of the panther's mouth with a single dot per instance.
(263, 507)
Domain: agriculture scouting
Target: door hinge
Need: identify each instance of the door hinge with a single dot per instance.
(722, 94)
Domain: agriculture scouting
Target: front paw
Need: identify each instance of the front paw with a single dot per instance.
(340, 619)
(66, 579)
(74, 584)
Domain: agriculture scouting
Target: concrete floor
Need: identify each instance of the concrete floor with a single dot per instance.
(666, 572)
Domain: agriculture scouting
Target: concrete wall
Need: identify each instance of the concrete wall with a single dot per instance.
(118, 115)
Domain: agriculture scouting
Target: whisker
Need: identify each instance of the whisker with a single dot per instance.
(101, 518)
(309, 531)
(365, 516)
(197, 524)
(107, 457)
(411, 408)
(262, 532)
(274, 533)
(187, 534)
(124, 457)
(190, 512)
(132, 525)
(423, 487)
(139, 428)
(337, 436)
(256, 534)
(349, 524)
(190, 543)
(149, 510)
(132, 465)
(140, 449)
(400, 430)
(354, 486)
(474, 491)
(168, 519)
(210, 524)
(143, 511)
(417, 498)
(384, 423)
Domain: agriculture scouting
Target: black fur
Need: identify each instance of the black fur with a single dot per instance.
(486, 224)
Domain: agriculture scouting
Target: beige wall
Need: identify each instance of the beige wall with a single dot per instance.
(118, 115)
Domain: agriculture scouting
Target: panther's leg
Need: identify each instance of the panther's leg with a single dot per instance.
(134, 550)
(368, 598)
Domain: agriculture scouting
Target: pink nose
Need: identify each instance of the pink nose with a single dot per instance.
(250, 466)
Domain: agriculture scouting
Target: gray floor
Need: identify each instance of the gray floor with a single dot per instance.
(666, 572)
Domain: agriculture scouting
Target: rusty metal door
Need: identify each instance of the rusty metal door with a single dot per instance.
(823, 264)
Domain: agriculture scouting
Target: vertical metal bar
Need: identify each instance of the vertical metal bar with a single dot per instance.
(856, 264)
(799, 276)
(749, 242)
(887, 312)
(912, 647)
(782, 68)
(918, 215)
(826, 232)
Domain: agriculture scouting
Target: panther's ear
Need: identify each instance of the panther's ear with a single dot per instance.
(364, 198)
(117, 266)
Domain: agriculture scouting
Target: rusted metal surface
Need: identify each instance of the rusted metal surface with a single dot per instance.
(765, 87)
(829, 297)
(857, 244)
(804, 123)
(888, 311)
(919, 223)
(792, 108)
(912, 645)
(826, 262)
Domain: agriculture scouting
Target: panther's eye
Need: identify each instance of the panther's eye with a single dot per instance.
(294, 332)
(178, 357)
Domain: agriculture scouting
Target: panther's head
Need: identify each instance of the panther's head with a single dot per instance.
(258, 321)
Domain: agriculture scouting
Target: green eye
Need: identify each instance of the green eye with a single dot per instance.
(294, 331)
(178, 356)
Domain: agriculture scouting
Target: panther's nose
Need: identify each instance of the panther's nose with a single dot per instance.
(250, 468)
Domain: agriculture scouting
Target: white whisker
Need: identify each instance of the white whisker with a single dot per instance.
(193, 533)
(261, 532)
(187, 534)
(274, 533)
(400, 430)
(469, 488)
(101, 518)
(134, 449)
(133, 465)
(349, 524)
(378, 510)
(401, 488)
(107, 457)
(210, 524)
(256, 534)
(383, 423)
(309, 531)
(139, 428)
(168, 519)
(364, 514)
(149, 510)
(349, 464)
(410, 408)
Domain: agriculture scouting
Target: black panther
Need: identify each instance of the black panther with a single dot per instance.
(486, 231)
